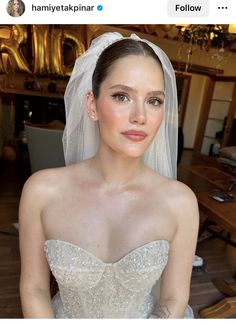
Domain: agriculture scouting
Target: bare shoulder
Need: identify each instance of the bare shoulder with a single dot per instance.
(41, 186)
(172, 189)
(178, 198)
(180, 192)
(183, 205)
(44, 180)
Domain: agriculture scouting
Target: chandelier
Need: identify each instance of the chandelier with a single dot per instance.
(218, 37)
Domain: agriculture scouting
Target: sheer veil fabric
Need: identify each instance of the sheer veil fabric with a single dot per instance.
(81, 135)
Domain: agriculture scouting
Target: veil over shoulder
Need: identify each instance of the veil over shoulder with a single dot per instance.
(130, 280)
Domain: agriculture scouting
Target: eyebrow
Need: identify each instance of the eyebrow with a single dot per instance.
(127, 88)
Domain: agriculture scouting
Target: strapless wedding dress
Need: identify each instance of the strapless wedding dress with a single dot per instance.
(91, 288)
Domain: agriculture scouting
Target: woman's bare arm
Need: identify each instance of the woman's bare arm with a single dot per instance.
(35, 274)
(175, 284)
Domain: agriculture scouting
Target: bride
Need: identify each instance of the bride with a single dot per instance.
(114, 221)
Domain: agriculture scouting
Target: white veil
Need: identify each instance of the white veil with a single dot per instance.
(81, 135)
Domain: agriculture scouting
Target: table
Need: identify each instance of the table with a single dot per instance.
(224, 215)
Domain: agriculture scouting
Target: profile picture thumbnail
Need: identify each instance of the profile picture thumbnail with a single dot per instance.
(15, 8)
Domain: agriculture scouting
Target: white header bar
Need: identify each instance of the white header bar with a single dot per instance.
(121, 12)
(190, 8)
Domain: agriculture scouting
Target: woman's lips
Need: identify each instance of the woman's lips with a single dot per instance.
(135, 135)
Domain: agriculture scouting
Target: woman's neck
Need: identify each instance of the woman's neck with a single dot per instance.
(115, 169)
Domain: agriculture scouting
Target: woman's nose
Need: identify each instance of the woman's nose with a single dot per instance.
(138, 114)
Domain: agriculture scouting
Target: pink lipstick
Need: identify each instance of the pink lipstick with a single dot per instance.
(134, 135)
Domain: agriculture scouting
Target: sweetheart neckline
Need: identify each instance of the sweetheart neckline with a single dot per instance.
(99, 259)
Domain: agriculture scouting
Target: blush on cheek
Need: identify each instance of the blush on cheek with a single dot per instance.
(157, 121)
(108, 115)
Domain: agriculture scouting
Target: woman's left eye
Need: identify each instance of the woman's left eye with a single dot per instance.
(155, 101)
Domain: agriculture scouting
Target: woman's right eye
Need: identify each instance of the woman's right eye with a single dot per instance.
(120, 97)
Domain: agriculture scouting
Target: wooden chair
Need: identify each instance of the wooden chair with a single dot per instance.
(227, 158)
(225, 308)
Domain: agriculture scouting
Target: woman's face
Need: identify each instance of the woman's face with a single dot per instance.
(16, 6)
(129, 108)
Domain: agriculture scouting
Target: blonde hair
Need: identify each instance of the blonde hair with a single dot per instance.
(10, 7)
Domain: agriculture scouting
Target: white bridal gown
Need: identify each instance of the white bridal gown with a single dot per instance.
(91, 288)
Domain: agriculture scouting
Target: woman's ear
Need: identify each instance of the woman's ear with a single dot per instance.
(91, 106)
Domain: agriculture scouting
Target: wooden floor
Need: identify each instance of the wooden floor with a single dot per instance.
(219, 258)
(11, 182)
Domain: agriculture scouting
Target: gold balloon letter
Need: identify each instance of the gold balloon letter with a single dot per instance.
(58, 39)
(41, 49)
(56, 53)
(71, 38)
(11, 46)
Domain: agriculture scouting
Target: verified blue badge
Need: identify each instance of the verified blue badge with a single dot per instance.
(99, 7)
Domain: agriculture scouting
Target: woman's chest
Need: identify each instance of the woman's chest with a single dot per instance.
(109, 228)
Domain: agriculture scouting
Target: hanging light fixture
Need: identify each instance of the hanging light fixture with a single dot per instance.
(207, 37)
(232, 29)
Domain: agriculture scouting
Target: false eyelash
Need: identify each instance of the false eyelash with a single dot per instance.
(116, 95)
(161, 101)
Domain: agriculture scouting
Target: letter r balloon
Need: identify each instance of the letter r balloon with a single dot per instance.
(12, 45)
(47, 49)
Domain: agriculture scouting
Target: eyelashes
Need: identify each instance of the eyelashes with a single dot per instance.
(155, 101)
(122, 97)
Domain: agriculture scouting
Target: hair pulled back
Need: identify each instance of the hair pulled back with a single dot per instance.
(114, 52)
